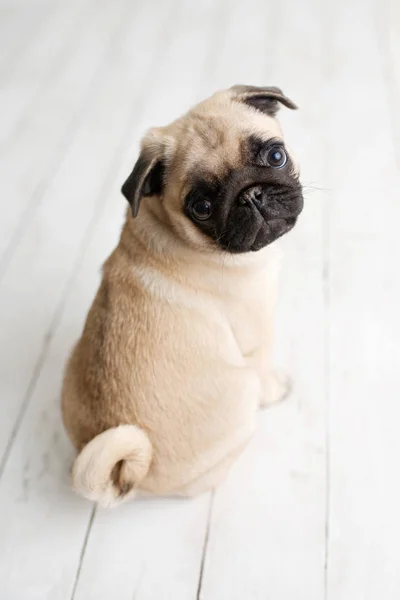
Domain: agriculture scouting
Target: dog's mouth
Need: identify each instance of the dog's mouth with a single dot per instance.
(260, 215)
(271, 231)
(254, 239)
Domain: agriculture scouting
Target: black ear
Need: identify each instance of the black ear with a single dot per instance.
(265, 99)
(146, 179)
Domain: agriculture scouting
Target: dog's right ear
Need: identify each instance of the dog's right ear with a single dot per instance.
(146, 179)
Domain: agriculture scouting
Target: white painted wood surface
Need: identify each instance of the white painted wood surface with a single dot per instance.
(310, 512)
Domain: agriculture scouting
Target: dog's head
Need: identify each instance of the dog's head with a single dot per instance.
(221, 175)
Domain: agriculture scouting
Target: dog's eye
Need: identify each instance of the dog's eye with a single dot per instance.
(201, 209)
(276, 157)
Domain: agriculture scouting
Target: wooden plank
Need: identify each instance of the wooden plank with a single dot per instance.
(236, 58)
(267, 529)
(364, 524)
(149, 549)
(19, 27)
(42, 58)
(48, 127)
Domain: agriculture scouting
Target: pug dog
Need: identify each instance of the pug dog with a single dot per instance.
(161, 392)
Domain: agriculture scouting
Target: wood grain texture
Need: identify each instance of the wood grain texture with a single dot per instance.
(364, 326)
(310, 511)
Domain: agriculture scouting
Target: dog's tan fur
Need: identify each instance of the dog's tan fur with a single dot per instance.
(161, 391)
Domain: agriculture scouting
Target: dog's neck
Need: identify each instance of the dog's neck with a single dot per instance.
(164, 262)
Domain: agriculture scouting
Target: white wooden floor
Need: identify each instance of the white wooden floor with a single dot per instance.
(312, 510)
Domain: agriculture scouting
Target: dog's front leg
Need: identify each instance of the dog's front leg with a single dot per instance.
(275, 384)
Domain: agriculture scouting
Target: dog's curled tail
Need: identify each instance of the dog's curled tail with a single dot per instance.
(112, 464)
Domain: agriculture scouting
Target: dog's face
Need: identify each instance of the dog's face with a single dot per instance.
(221, 175)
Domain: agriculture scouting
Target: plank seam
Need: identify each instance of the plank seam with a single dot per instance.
(83, 551)
(383, 37)
(205, 545)
(326, 282)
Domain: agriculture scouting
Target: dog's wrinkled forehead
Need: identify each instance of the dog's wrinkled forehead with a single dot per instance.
(213, 133)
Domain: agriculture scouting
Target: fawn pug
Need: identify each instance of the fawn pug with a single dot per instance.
(161, 392)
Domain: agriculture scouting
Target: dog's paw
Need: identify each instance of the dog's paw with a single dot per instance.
(277, 387)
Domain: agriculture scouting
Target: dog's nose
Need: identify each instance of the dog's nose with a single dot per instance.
(252, 195)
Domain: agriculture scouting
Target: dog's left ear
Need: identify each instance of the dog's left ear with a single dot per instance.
(146, 179)
(265, 99)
